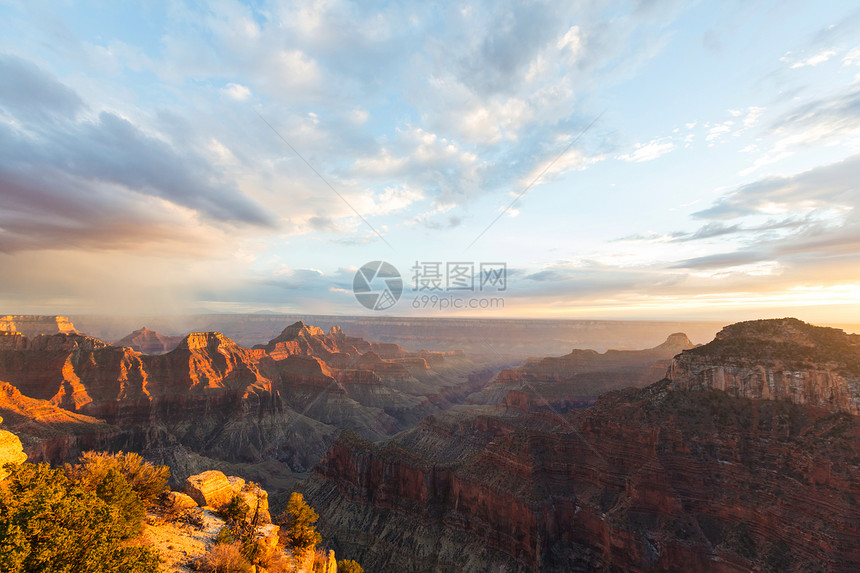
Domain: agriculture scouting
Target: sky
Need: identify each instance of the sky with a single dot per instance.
(615, 160)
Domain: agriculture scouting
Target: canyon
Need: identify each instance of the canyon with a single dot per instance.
(741, 454)
(685, 474)
(270, 411)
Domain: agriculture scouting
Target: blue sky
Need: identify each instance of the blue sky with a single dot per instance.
(682, 160)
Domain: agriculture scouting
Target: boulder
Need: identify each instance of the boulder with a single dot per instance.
(11, 451)
(179, 500)
(209, 488)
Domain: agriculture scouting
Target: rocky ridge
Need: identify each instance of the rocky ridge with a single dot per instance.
(577, 378)
(784, 359)
(213, 398)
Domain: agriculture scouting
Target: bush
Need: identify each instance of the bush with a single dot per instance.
(147, 480)
(225, 536)
(49, 524)
(116, 491)
(237, 510)
(224, 558)
(348, 566)
(278, 563)
(298, 520)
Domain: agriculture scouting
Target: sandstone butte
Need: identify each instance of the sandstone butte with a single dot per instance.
(148, 341)
(745, 458)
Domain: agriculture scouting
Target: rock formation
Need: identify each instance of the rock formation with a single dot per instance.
(212, 398)
(782, 359)
(50, 433)
(30, 325)
(670, 477)
(149, 341)
(210, 488)
(11, 450)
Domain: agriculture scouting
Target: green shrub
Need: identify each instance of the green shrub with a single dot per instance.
(778, 557)
(115, 490)
(348, 566)
(225, 536)
(236, 510)
(148, 480)
(49, 524)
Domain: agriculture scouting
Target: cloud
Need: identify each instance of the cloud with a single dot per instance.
(648, 151)
(90, 181)
(821, 226)
(236, 91)
(828, 186)
(28, 92)
(852, 58)
(813, 60)
(820, 119)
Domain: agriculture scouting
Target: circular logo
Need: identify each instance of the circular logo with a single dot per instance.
(377, 285)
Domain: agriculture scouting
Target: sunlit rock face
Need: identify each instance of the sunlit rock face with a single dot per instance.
(783, 359)
(30, 325)
(11, 450)
(51, 433)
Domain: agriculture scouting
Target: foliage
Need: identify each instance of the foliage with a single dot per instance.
(225, 536)
(348, 566)
(278, 563)
(225, 558)
(50, 524)
(236, 510)
(116, 491)
(148, 480)
(298, 520)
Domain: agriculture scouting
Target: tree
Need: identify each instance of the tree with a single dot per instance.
(50, 524)
(348, 566)
(299, 519)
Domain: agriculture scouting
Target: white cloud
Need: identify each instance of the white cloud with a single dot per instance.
(852, 58)
(818, 58)
(236, 91)
(719, 130)
(571, 44)
(753, 115)
(648, 151)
